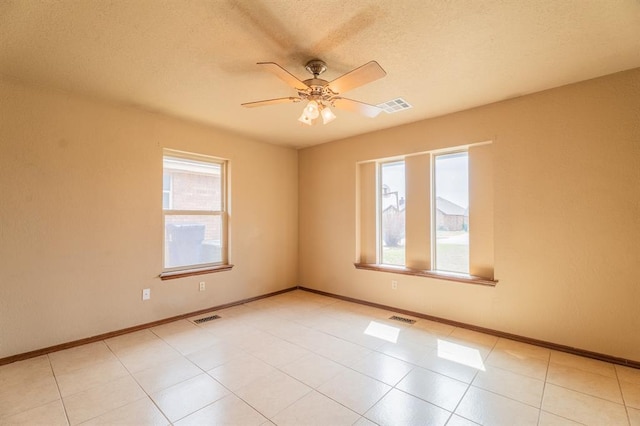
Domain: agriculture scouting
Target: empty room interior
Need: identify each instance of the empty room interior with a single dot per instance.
(262, 212)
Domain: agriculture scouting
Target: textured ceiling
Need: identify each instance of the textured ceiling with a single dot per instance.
(197, 59)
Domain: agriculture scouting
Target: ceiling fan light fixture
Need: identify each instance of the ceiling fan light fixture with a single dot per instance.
(320, 94)
(312, 110)
(304, 118)
(327, 115)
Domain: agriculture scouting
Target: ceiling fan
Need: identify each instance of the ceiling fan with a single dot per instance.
(322, 94)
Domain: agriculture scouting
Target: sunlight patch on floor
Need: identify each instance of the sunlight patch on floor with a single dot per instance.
(460, 354)
(383, 331)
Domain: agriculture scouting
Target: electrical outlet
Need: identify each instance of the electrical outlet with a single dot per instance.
(394, 284)
(146, 293)
(203, 286)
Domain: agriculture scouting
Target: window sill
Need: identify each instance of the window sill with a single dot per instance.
(197, 271)
(469, 279)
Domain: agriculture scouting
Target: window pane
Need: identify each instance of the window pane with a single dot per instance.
(452, 212)
(192, 240)
(392, 213)
(192, 185)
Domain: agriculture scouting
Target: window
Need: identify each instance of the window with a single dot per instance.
(450, 213)
(194, 207)
(392, 213)
(428, 214)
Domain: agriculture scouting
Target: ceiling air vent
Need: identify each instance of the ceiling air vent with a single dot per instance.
(402, 319)
(395, 105)
(206, 319)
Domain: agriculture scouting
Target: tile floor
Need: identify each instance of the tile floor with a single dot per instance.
(301, 358)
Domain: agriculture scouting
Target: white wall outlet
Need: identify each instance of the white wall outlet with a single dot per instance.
(146, 293)
(203, 286)
(394, 284)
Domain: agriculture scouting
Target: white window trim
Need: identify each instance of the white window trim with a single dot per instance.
(223, 213)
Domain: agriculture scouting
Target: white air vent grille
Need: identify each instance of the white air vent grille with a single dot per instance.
(395, 105)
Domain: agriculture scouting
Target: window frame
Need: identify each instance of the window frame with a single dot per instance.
(199, 268)
(434, 213)
(420, 214)
(379, 211)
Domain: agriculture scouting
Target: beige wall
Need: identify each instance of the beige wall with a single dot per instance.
(81, 223)
(566, 191)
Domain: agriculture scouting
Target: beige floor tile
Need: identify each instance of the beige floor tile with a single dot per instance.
(167, 374)
(409, 352)
(583, 381)
(229, 410)
(131, 340)
(311, 340)
(101, 399)
(634, 416)
(216, 355)
(354, 390)
(315, 409)
(280, 353)
(146, 355)
(241, 371)
(419, 337)
(399, 408)
(515, 386)
(253, 340)
(583, 363)
(226, 328)
(363, 421)
(51, 414)
(193, 341)
(90, 375)
(456, 369)
(185, 337)
(21, 371)
(343, 352)
(313, 370)
(175, 327)
(235, 311)
(273, 352)
(382, 367)
(582, 408)
(272, 393)
(548, 419)
(628, 374)
(519, 363)
(365, 336)
(631, 394)
(81, 357)
(25, 385)
(434, 327)
(483, 342)
(456, 420)
(522, 350)
(187, 397)
(140, 412)
(285, 329)
(489, 408)
(435, 388)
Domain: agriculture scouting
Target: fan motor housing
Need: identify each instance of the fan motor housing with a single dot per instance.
(316, 67)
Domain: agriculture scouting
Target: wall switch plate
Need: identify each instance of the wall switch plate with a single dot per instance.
(394, 284)
(146, 293)
(203, 286)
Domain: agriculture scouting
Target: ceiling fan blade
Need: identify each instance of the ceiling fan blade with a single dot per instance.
(284, 75)
(271, 102)
(367, 73)
(356, 106)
